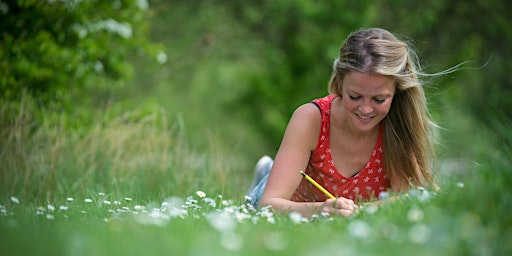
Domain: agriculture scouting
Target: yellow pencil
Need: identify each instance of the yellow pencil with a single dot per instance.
(317, 185)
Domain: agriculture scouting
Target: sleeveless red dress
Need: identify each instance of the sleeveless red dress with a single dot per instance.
(367, 184)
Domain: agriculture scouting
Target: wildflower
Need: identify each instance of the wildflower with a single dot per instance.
(88, 200)
(415, 215)
(370, 208)
(419, 193)
(50, 216)
(295, 217)
(172, 202)
(221, 221)
(266, 213)
(241, 216)
(15, 200)
(177, 212)
(255, 219)
(460, 184)
(325, 214)
(70, 199)
(154, 217)
(63, 208)
(50, 207)
(384, 195)
(192, 203)
(40, 210)
(101, 194)
(127, 199)
(3, 211)
(106, 202)
(200, 194)
(210, 201)
(117, 202)
(359, 229)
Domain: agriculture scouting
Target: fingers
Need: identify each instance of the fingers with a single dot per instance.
(344, 213)
(341, 206)
(345, 204)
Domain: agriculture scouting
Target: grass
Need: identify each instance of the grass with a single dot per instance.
(137, 151)
(424, 223)
(128, 183)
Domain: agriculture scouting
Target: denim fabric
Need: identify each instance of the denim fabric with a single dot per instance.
(263, 172)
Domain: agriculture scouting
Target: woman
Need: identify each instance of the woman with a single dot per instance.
(369, 135)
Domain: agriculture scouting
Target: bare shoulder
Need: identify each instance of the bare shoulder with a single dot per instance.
(308, 111)
(305, 125)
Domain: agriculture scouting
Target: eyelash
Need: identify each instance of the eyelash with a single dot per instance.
(379, 101)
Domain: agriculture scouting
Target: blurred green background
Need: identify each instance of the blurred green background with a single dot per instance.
(238, 68)
(157, 96)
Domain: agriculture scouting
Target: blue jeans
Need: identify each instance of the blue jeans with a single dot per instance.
(262, 173)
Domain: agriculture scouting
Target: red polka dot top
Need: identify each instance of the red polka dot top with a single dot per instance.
(368, 183)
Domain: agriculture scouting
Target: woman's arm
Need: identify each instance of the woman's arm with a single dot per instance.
(299, 140)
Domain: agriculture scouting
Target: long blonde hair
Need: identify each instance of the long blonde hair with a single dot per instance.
(407, 127)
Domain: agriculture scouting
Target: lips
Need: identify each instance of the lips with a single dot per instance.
(364, 117)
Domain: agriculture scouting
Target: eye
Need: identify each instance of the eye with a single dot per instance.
(354, 97)
(379, 101)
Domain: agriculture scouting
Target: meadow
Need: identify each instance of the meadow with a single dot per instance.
(158, 163)
(128, 184)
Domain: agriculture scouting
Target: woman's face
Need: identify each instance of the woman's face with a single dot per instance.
(367, 98)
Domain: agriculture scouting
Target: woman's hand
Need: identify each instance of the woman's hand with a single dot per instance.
(340, 206)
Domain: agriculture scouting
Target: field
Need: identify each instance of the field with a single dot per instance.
(144, 143)
(129, 185)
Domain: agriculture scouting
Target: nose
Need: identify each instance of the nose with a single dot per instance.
(365, 109)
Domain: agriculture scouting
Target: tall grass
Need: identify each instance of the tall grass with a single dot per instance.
(137, 152)
(103, 186)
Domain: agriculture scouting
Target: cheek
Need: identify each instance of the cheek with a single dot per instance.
(384, 108)
(349, 104)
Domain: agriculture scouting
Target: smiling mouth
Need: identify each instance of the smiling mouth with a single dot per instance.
(364, 118)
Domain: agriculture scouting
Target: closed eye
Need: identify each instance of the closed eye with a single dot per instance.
(354, 97)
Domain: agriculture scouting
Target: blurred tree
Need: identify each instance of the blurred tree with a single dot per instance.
(49, 48)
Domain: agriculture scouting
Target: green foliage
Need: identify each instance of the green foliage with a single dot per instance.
(301, 40)
(235, 71)
(451, 32)
(271, 57)
(122, 150)
(49, 48)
